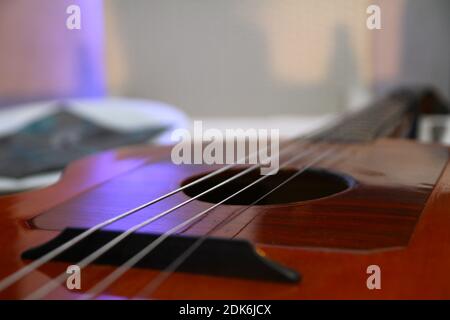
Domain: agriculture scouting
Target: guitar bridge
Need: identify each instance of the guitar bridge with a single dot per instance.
(214, 256)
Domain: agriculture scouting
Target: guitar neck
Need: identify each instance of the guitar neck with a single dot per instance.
(392, 116)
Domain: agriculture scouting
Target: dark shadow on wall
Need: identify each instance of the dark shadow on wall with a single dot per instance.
(425, 49)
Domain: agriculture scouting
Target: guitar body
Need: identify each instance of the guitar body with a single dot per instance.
(393, 212)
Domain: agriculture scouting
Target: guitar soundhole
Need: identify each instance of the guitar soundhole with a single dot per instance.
(309, 185)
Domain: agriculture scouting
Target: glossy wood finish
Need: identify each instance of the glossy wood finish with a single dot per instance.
(396, 217)
(395, 191)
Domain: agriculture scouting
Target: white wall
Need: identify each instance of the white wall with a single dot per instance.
(233, 57)
(247, 57)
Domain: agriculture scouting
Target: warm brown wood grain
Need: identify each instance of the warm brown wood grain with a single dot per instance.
(396, 191)
(396, 217)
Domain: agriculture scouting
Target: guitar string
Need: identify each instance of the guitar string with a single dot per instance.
(54, 283)
(155, 283)
(118, 272)
(19, 274)
(106, 282)
(199, 221)
(333, 125)
(51, 285)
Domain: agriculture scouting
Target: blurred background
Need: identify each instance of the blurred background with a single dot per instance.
(223, 58)
(285, 64)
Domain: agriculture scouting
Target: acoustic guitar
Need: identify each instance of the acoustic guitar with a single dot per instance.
(357, 210)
